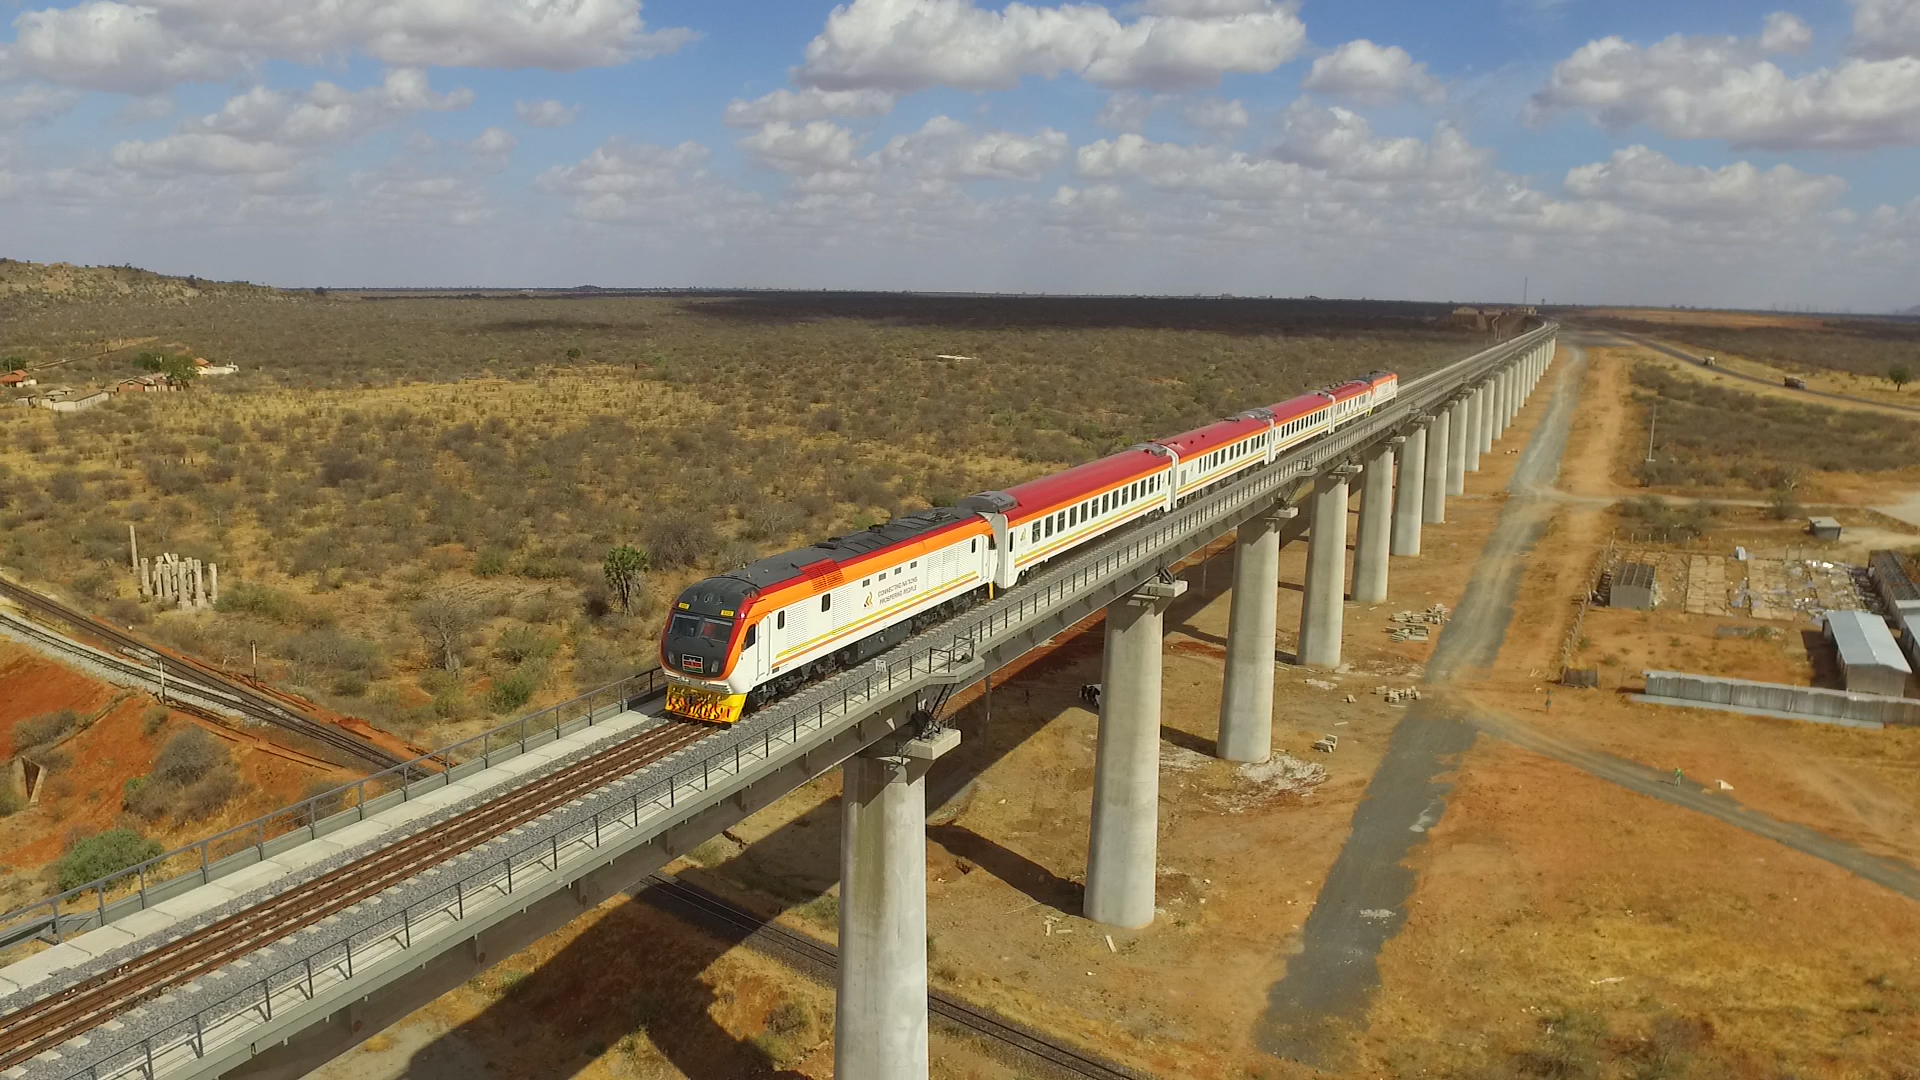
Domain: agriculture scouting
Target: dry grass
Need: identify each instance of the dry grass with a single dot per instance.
(373, 454)
(1869, 347)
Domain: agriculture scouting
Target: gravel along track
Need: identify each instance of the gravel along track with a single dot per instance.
(820, 961)
(246, 700)
(53, 1020)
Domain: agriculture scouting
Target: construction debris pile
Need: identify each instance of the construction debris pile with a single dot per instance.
(1397, 695)
(1417, 625)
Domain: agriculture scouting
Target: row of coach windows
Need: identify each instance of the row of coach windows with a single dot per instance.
(1086, 511)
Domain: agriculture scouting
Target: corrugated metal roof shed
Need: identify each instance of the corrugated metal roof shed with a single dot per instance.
(1864, 640)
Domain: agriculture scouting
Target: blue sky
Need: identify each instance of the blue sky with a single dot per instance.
(1711, 153)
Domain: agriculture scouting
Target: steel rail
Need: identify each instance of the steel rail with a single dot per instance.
(824, 960)
(53, 1020)
(245, 700)
(946, 654)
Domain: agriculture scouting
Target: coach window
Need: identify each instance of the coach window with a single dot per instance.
(753, 635)
(1049, 526)
(826, 601)
(780, 621)
(1036, 533)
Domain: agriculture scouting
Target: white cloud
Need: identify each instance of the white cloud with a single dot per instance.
(907, 45)
(400, 195)
(1342, 144)
(34, 105)
(495, 144)
(627, 183)
(1640, 178)
(205, 152)
(1722, 88)
(268, 132)
(1373, 74)
(814, 147)
(1128, 111)
(545, 114)
(805, 105)
(153, 45)
(948, 149)
(1783, 32)
(1216, 115)
(1886, 29)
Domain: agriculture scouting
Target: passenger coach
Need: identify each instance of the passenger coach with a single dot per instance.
(740, 639)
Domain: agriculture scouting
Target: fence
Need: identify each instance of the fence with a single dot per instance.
(942, 655)
(1804, 702)
(243, 845)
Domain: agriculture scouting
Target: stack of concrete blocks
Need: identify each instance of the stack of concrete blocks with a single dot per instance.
(180, 582)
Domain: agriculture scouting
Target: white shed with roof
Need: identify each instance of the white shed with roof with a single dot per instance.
(1870, 659)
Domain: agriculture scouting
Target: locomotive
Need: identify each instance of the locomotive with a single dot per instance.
(738, 640)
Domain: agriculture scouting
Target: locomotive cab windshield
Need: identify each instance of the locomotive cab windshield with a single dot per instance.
(701, 629)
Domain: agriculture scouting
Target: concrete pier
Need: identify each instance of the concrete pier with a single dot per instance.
(1488, 407)
(1410, 493)
(1246, 700)
(880, 1019)
(1459, 419)
(1122, 850)
(1434, 509)
(1322, 609)
(1476, 427)
(1371, 538)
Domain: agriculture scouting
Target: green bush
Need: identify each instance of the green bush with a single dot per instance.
(104, 855)
(267, 603)
(516, 688)
(491, 562)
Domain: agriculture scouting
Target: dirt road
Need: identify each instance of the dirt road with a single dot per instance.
(1363, 902)
(1328, 985)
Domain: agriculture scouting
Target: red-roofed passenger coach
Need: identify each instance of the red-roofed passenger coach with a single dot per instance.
(740, 639)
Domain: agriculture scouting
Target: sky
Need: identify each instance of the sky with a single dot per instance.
(1710, 153)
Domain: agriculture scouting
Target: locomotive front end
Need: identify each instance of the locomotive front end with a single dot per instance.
(700, 650)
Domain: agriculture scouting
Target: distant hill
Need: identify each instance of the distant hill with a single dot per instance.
(1912, 312)
(63, 281)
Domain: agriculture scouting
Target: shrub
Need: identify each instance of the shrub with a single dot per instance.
(519, 644)
(491, 562)
(267, 603)
(43, 729)
(517, 687)
(188, 756)
(679, 540)
(153, 719)
(105, 855)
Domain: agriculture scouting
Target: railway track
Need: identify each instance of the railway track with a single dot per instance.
(821, 961)
(59, 1017)
(249, 701)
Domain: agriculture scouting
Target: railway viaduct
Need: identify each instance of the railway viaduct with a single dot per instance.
(273, 947)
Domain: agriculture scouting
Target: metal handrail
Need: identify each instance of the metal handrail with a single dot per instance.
(306, 815)
(813, 710)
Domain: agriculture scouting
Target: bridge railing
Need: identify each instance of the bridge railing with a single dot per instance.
(826, 704)
(144, 884)
(617, 812)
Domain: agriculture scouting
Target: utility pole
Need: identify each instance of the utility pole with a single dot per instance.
(1526, 289)
(1653, 415)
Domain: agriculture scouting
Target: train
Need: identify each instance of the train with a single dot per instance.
(735, 641)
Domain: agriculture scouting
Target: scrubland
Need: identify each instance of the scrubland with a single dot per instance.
(410, 498)
(1863, 346)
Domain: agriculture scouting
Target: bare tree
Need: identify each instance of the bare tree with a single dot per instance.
(444, 621)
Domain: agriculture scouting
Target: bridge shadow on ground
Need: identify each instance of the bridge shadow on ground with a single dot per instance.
(636, 970)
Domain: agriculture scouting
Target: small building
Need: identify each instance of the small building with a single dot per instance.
(1633, 587)
(1900, 596)
(18, 378)
(1869, 659)
(1824, 528)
